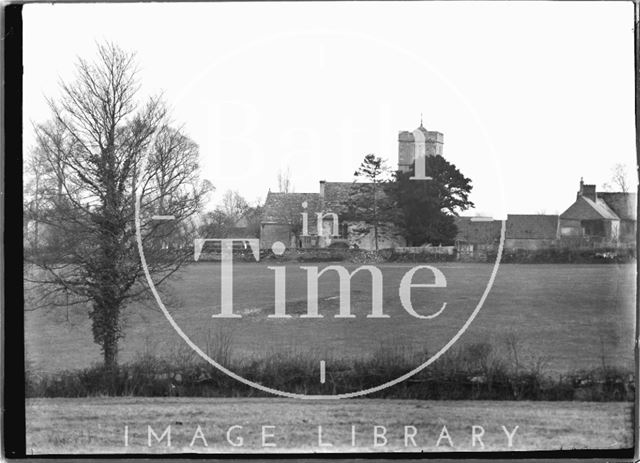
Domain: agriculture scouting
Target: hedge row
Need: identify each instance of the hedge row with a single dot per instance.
(473, 372)
(566, 256)
(557, 255)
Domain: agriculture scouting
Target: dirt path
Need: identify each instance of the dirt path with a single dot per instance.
(97, 425)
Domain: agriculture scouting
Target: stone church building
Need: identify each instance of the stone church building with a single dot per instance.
(284, 213)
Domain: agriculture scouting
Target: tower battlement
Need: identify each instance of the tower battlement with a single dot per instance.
(420, 141)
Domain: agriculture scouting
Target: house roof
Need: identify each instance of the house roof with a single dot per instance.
(586, 209)
(287, 207)
(624, 205)
(534, 226)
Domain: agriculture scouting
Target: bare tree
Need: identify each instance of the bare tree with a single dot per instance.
(215, 224)
(619, 179)
(284, 181)
(37, 184)
(234, 205)
(101, 147)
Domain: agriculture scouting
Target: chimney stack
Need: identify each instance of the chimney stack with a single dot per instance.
(588, 191)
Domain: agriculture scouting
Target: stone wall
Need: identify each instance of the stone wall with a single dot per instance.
(362, 235)
(525, 243)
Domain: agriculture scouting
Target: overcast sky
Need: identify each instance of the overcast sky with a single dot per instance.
(529, 96)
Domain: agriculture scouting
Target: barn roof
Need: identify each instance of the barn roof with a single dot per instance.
(475, 231)
(533, 226)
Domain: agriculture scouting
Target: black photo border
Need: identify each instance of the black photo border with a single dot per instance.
(13, 438)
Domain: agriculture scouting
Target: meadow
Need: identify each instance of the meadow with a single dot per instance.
(97, 425)
(559, 318)
(567, 316)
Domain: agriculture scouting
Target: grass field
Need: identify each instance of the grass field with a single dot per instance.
(573, 316)
(98, 425)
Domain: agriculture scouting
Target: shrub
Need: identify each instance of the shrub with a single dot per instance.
(476, 371)
(565, 255)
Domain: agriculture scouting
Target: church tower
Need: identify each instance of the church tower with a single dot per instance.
(420, 142)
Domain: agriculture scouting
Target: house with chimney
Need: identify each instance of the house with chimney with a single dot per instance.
(594, 218)
(606, 217)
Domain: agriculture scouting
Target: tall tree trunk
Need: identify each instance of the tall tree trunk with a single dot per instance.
(37, 211)
(375, 214)
(110, 358)
(110, 353)
(375, 235)
(105, 326)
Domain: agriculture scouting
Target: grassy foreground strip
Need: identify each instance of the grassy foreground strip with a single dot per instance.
(97, 425)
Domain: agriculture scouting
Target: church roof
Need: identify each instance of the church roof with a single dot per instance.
(405, 135)
(336, 196)
(287, 207)
(423, 130)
